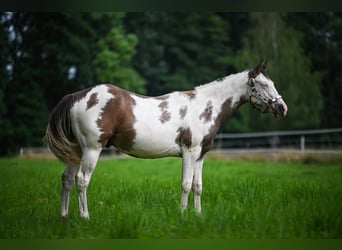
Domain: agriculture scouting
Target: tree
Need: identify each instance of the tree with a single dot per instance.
(4, 79)
(269, 37)
(113, 60)
(178, 51)
(150, 59)
(202, 52)
(322, 43)
(48, 55)
(24, 109)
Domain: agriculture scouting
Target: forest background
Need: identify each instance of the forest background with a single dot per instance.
(47, 55)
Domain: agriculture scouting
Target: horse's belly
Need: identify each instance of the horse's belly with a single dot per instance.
(154, 147)
(153, 152)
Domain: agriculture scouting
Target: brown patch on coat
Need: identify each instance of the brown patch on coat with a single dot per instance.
(77, 96)
(207, 112)
(165, 115)
(182, 112)
(117, 119)
(92, 101)
(189, 93)
(163, 105)
(184, 137)
(162, 97)
(227, 110)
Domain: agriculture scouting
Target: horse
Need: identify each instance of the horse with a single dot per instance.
(178, 124)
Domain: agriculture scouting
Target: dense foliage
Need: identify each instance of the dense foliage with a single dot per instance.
(46, 55)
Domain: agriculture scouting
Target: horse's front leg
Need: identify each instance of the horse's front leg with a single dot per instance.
(191, 171)
(187, 176)
(197, 184)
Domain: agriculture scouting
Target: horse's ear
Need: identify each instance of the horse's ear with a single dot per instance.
(259, 68)
(263, 65)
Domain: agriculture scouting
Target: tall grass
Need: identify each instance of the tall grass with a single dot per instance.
(132, 198)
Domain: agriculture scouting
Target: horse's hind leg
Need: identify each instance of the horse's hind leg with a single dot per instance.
(68, 179)
(89, 159)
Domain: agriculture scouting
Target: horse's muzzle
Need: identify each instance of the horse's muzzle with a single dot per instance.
(279, 108)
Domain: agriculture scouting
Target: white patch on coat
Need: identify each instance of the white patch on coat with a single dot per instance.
(154, 138)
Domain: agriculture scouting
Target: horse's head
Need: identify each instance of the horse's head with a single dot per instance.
(262, 93)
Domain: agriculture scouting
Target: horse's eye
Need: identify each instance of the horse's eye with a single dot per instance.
(264, 85)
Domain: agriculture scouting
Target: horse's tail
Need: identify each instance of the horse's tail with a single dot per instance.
(59, 135)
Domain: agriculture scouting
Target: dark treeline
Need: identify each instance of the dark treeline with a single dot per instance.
(47, 55)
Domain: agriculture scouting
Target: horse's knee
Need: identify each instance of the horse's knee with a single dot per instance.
(67, 180)
(82, 180)
(186, 186)
(87, 167)
(197, 188)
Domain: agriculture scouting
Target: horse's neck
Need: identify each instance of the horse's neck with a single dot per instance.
(232, 87)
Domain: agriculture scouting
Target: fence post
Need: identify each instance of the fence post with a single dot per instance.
(302, 143)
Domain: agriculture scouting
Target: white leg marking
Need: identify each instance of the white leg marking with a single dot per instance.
(191, 177)
(89, 159)
(68, 179)
(187, 175)
(197, 185)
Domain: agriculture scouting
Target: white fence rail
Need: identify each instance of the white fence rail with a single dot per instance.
(322, 139)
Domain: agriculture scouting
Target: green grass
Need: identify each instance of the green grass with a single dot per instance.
(133, 198)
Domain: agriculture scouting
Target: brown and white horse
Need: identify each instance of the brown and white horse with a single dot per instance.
(181, 124)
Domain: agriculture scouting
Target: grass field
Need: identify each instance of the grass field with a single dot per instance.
(132, 198)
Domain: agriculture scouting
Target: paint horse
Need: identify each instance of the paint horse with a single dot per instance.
(181, 124)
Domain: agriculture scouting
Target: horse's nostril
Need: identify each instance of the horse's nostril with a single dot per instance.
(279, 108)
